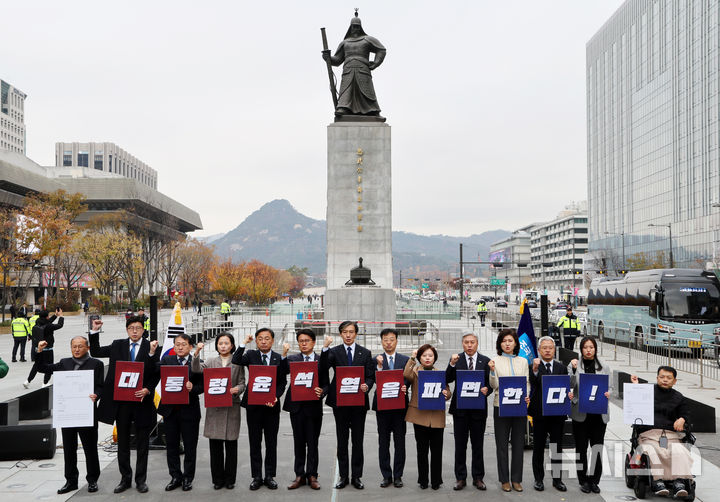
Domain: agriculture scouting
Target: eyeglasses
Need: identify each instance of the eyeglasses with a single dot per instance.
(135, 328)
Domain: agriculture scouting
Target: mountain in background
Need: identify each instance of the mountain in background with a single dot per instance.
(280, 236)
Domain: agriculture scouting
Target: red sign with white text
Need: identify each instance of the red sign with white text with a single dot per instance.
(172, 382)
(217, 387)
(128, 380)
(348, 380)
(388, 389)
(261, 384)
(303, 380)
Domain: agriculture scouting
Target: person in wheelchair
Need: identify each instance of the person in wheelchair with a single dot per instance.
(670, 463)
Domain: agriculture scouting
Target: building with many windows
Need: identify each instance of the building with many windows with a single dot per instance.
(653, 161)
(12, 118)
(513, 253)
(106, 157)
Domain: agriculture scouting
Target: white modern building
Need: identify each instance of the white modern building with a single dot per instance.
(12, 118)
(106, 157)
(557, 249)
(653, 127)
(513, 252)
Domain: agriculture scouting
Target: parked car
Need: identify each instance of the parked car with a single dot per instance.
(501, 303)
(532, 304)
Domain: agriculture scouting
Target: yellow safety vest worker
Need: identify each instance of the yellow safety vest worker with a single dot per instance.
(568, 322)
(224, 308)
(146, 324)
(481, 307)
(20, 327)
(32, 321)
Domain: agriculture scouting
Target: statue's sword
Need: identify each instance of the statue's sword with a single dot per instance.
(331, 75)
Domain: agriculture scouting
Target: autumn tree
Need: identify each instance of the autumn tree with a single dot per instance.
(197, 260)
(646, 261)
(102, 251)
(260, 282)
(71, 266)
(298, 278)
(132, 268)
(227, 277)
(170, 263)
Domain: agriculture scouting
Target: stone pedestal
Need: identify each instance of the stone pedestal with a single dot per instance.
(360, 303)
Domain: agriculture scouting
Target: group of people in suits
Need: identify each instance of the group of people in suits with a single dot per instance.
(222, 425)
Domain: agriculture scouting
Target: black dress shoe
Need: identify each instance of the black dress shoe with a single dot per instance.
(342, 483)
(357, 483)
(435, 487)
(271, 483)
(124, 485)
(479, 484)
(539, 486)
(385, 482)
(423, 486)
(92, 487)
(174, 483)
(459, 485)
(142, 487)
(595, 488)
(585, 487)
(217, 486)
(256, 483)
(186, 485)
(230, 486)
(398, 483)
(67, 487)
(559, 485)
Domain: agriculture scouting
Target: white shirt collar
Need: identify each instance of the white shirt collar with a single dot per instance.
(389, 355)
(352, 347)
(311, 356)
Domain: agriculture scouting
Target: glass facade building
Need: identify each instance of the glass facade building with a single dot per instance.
(652, 133)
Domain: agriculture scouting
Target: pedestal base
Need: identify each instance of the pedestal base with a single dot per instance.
(360, 303)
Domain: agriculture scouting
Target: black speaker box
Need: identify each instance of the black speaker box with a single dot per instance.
(27, 442)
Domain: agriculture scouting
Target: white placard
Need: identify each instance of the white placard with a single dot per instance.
(639, 403)
(72, 406)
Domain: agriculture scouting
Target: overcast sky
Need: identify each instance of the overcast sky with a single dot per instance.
(229, 100)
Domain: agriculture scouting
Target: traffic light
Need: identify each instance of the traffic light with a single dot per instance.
(578, 272)
(622, 272)
(601, 272)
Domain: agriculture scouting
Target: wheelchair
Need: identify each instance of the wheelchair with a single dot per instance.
(637, 471)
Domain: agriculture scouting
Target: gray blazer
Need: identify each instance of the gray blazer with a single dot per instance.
(222, 423)
(574, 380)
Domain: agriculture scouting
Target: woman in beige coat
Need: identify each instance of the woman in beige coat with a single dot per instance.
(429, 424)
(222, 425)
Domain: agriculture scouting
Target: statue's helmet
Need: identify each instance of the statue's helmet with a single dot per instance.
(355, 30)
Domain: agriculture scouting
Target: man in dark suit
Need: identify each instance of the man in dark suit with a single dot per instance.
(546, 365)
(182, 420)
(305, 416)
(44, 329)
(391, 421)
(468, 422)
(262, 419)
(125, 413)
(348, 419)
(80, 360)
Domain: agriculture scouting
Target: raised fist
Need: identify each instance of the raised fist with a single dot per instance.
(249, 339)
(379, 360)
(41, 346)
(491, 365)
(153, 346)
(454, 359)
(414, 354)
(574, 363)
(536, 364)
(97, 324)
(328, 341)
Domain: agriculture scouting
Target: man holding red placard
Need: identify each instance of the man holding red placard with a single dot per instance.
(181, 414)
(142, 414)
(262, 419)
(348, 419)
(304, 403)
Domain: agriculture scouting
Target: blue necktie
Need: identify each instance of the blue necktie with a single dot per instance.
(349, 356)
(391, 364)
(132, 351)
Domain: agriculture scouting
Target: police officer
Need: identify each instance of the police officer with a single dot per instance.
(225, 309)
(146, 323)
(20, 331)
(570, 328)
(481, 311)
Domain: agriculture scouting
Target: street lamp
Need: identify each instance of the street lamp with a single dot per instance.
(669, 227)
(622, 234)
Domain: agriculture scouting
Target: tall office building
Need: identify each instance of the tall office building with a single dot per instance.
(513, 253)
(107, 157)
(12, 118)
(652, 132)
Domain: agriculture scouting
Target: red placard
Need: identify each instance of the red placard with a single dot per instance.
(261, 384)
(389, 390)
(348, 381)
(303, 380)
(172, 384)
(218, 382)
(128, 380)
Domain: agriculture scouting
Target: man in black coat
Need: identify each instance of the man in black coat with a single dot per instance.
(468, 423)
(305, 416)
(80, 360)
(391, 421)
(44, 329)
(262, 419)
(182, 420)
(125, 413)
(348, 419)
(542, 426)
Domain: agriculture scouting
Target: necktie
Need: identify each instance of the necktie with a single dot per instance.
(264, 359)
(471, 366)
(132, 351)
(307, 358)
(392, 363)
(548, 367)
(349, 356)
(182, 361)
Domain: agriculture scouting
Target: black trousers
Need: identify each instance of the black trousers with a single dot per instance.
(263, 421)
(46, 356)
(542, 426)
(89, 438)
(569, 336)
(590, 432)
(350, 420)
(470, 425)
(124, 421)
(429, 439)
(223, 465)
(509, 431)
(391, 422)
(19, 342)
(306, 434)
(188, 429)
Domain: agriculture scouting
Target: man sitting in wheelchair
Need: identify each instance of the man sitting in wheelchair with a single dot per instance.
(670, 461)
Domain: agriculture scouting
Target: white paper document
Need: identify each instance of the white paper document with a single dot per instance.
(72, 406)
(639, 403)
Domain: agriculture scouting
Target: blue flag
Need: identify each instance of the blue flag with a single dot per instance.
(526, 335)
(430, 387)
